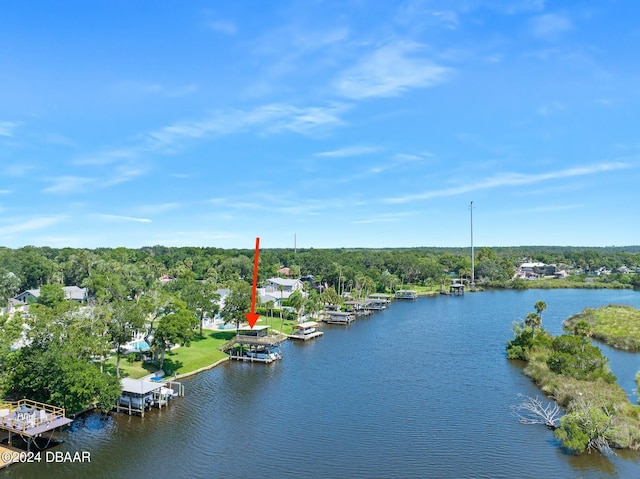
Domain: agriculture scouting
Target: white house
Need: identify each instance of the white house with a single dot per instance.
(73, 293)
(279, 289)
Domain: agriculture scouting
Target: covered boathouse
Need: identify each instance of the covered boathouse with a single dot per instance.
(339, 317)
(255, 344)
(30, 419)
(140, 395)
(305, 331)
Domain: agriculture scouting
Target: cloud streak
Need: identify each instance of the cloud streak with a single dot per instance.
(272, 118)
(121, 218)
(390, 71)
(348, 151)
(549, 26)
(30, 225)
(7, 127)
(510, 179)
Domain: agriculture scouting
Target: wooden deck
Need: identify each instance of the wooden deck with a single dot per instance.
(31, 418)
(305, 337)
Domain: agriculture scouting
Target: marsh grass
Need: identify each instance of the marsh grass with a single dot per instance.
(615, 325)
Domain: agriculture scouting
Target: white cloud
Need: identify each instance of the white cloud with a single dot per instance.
(273, 118)
(68, 184)
(349, 151)
(30, 225)
(7, 127)
(121, 218)
(390, 71)
(121, 174)
(224, 26)
(550, 25)
(509, 179)
(158, 89)
(157, 208)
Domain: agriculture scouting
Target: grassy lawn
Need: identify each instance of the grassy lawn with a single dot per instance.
(424, 289)
(202, 352)
(616, 325)
(135, 369)
(276, 323)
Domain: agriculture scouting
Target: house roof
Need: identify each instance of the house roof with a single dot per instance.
(284, 282)
(74, 292)
(308, 324)
(140, 386)
(70, 292)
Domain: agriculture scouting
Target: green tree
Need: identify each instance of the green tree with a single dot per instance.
(330, 296)
(540, 307)
(124, 318)
(9, 286)
(237, 303)
(51, 295)
(296, 300)
(583, 329)
(587, 428)
(200, 296)
(533, 320)
(174, 328)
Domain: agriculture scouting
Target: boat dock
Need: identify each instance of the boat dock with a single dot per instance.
(339, 317)
(255, 345)
(140, 395)
(29, 419)
(305, 331)
(406, 294)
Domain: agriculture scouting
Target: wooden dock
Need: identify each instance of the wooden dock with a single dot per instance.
(30, 419)
(255, 345)
(339, 317)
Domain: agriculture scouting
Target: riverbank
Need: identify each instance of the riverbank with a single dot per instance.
(573, 372)
(203, 354)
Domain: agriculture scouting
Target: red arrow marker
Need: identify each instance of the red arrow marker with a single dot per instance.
(252, 317)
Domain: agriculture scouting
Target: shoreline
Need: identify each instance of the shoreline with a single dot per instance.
(202, 369)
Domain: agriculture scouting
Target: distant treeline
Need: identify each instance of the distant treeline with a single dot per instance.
(385, 268)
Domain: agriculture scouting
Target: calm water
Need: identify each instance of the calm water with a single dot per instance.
(422, 389)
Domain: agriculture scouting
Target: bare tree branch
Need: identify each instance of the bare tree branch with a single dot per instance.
(533, 411)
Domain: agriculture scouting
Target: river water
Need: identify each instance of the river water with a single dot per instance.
(422, 389)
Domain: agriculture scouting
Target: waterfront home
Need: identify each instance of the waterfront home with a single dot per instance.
(255, 344)
(73, 293)
(406, 294)
(282, 284)
(339, 317)
(305, 331)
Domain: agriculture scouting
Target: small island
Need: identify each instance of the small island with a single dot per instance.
(575, 374)
(616, 325)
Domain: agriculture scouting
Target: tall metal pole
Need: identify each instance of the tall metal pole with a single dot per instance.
(473, 275)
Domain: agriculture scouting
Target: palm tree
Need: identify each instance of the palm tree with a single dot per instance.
(540, 307)
(582, 328)
(533, 320)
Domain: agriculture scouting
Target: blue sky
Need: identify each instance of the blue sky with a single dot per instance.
(347, 123)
